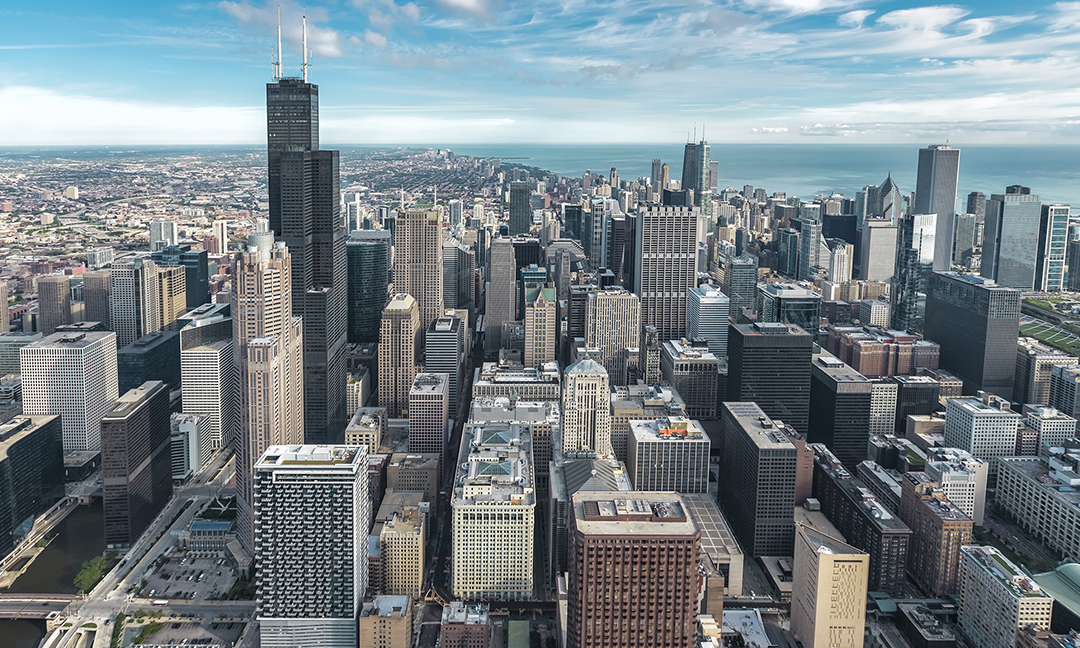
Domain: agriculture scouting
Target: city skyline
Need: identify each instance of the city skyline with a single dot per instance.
(488, 71)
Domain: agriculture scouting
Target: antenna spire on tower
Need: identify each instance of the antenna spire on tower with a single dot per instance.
(305, 65)
(277, 64)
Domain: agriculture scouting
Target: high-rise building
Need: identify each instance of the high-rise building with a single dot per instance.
(208, 372)
(305, 205)
(220, 229)
(72, 375)
(976, 322)
(368, 255)
(669, 454)
(962, 478)
(499, 295)
(935, 193)
(841, 257)
(418, 261)
(787, 257)
(649, 354)
(401, 527)
(997, 598)
(31, 473)
(939, 528)
(95, 296)
(520, 208)
(1065, 389)
(877, 250)
(493, 515)
(707, 311)
(196, 270)
(1011, 246)
(693, 371)
(268, 345)
(985, 427)
(863, 520)
(1053, 241)
(976, 204)
(541, 326)
(739, 277)
(163, 233)
(839, 408)
(428, 413)
(963, 238)
(612, 323)
(757, 480)
(1053, 427)
(586, 408)
(1035, 362)
(789, 303)
(828, 593)
(134, 299)
(136, 462)
(614, 542)
(152, 357)
(312, 516)
(883, 396)
(190, 445)
(386, 622)
(459, 274)
(914, 264)
(809, 247)
(695, 174)
(665, 268)
(54, 302)
(444, 344)
(397, 353)
(769, 364)
(172, 294)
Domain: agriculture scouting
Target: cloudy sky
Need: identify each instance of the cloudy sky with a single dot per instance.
(473, 71)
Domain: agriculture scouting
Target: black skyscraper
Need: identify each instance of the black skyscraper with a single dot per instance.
(839, 409)
(304, 213)
(369, 276)
(520, 208)
(769, 364)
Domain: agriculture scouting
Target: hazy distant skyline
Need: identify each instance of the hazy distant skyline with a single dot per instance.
(443, 71)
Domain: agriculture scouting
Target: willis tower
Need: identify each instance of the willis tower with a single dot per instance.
(305, 215)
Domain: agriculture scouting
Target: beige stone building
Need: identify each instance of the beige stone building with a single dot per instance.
(828, 597)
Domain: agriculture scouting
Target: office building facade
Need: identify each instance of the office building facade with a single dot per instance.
(418, 261)
(769, 364)
(997, 599)
(669, 454)
(707, 315)
(840, 400)
(134, 299)
(665, 268)
(828, 594)
(935, 193)
(397, 352)
(368, 256)
(428, 413)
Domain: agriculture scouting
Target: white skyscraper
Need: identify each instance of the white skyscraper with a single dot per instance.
(73, 375)
(163, 233)
(134, 299)
(208, 372)
(665, 267)
(312, 516)
(840, 259)
(612, 323)
(586, 408)
(986, 428)
(707, 311)
(221, 233)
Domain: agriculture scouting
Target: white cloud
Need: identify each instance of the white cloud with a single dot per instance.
(375, 39)
(802, 7)
(854, 18)
(321, 40)
(480, 8)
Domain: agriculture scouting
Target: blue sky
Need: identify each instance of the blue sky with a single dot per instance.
(457, 71)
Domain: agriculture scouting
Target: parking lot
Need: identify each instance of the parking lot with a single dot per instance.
(180, 631)
(192, 578)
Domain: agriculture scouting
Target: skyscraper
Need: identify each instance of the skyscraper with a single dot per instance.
(828, 593)
(757, 480)
(739, 282)
(809, 247)
(72, 375)
(1053, 240)
(305, 204)
(769, 364)
(196, 270)
(839, 409)
(841, 256)
(1011, 245)
(397, 352)
(612, 323)
(666, 266)
(708, 310)
(520, 208)
(163, 233)
(269, 345)
(787, 263)
(963, 239)
(586, 408)
(54, 302)
(136, 462)
(935, 193)
(95, 296)
(418, 261)
(976, 322)
(428, 413)
(877, 249)
(541, 325)
(444, 348)
(220, 229)
(31, 473)
(368, 254)
(134, 299)
(615, 542)
(172, 294)
(976, 204)
(312, 513)
(459, 274)
(208, 373)
(997, 599)
(695, 174)
(499, 296)
(915, 250)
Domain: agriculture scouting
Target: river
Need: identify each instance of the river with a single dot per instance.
(79, 537)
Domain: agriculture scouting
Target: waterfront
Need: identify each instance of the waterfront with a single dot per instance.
(21, 634)
(79, 537)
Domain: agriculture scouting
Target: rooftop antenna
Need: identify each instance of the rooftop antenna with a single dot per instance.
(277, 63)
(703, 131)
(403, 197)
(695, 132)
(305, 65)
(435, 196)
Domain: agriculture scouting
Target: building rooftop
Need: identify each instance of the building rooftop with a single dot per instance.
(386, 606)
(668, 428)
(992, 562)
(70, 340)
(400, 303)
(763, 431)
(495, 465)
(641, 512)
(826, 544)
(926, 622)
(717, 540)
(19, 428)
(492, 372)
(685, 350)
(809, 515)
(825, 363)
(748, 625)
(302, 456)
(368, 418)
(130, 400)
(430, 383)
(502, 408)
(466, 613)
